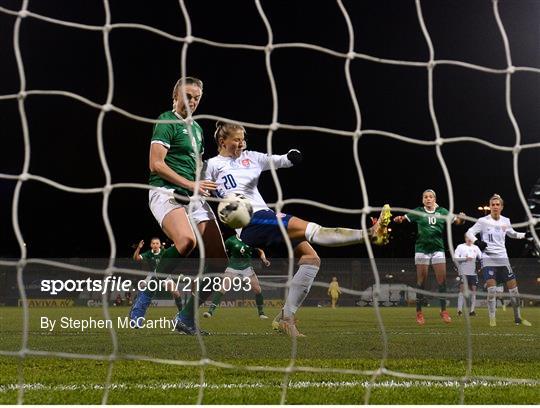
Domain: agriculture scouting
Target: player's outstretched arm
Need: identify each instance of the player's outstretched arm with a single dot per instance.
(294, 156)
(136, 256)
(510, 232)
(459, 220)
(400, 218)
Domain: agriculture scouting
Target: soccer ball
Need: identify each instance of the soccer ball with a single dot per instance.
(235, 210)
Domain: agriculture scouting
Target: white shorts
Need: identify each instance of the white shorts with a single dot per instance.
(427, 259)
(162, 203)
(241, 272)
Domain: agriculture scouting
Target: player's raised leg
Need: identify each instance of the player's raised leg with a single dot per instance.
(338, 236)
(381, 235)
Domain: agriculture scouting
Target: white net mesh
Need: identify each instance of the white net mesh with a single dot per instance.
(347, 58)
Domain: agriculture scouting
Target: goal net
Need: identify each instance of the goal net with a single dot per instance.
(373, 97)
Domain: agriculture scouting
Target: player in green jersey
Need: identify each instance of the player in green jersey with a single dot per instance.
(240, 266)
(175, 157)
(152, 256)
(144, 297)
(429, 248)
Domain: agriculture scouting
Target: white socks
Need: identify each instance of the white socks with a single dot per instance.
(300, 285)
(460, 302)
(515, 302)
(333, 237)
(491, 300)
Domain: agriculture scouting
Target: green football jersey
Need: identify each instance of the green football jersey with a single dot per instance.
(181, 156)
(240, 254)
(152, 258)
(430, 229)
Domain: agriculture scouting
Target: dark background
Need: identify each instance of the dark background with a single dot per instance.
(311, 88)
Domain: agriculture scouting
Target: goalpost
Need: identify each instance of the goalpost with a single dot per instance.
(25, 13)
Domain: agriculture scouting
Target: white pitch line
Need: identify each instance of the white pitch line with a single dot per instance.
(258, 385)
(461, 334)
(273, 333)
(353, 333)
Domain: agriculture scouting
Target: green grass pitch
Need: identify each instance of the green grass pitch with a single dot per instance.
(343, 338)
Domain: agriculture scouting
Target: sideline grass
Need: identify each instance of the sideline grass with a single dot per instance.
(344, 338)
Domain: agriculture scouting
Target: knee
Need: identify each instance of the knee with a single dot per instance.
(185, 245)
(310, 259)
(441, 278)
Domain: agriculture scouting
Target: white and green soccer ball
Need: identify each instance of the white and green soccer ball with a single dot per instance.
(235, 210)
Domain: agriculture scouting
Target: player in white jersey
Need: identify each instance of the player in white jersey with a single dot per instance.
(493, 230)
(465, 257)
(236, 170)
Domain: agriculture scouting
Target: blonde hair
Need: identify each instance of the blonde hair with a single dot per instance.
(429, 190)
(186, 81)
(496, 197)
(224, 129)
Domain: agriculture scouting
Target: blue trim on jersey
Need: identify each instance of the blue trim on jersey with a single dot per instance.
(501, 274)
(263, 230)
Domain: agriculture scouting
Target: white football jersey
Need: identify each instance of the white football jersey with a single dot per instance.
(466, 256)
(493, 233)
(241, 175)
